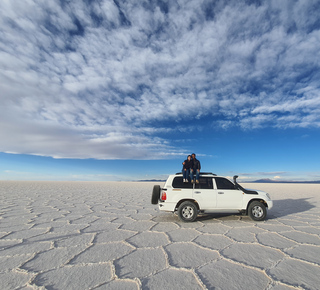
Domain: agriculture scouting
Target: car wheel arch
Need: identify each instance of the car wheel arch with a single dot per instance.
(187, 199)
(256, 199)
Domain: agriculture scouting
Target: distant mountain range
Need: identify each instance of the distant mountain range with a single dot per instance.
(267, 180)
(152, 180)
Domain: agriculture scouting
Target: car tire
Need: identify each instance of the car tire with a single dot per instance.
(257, 211)
(155, 194)
(187, 211)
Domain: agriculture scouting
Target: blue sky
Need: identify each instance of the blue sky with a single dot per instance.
(125, 90)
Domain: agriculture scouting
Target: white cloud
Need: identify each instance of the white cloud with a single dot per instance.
(83, 80)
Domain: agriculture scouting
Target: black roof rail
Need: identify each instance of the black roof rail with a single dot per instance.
(201, 173)
(208, 173)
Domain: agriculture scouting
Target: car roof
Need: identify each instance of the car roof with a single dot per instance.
(201, 173)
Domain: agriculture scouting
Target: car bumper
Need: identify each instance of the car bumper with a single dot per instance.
(167, 206)
(270, 204)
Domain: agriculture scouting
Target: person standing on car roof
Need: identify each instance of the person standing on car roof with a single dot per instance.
(195, 169)
(187, 164)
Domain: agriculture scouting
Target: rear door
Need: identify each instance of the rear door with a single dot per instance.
(204, 193)
(228, 197)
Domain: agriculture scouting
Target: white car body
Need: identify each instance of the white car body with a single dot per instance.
(214, 194)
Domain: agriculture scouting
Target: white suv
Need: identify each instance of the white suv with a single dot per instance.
(213, 194)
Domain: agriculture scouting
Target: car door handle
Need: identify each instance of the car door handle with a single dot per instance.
(197, 192)
(220, 192)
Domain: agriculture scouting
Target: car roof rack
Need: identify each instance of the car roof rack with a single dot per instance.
(201, 173)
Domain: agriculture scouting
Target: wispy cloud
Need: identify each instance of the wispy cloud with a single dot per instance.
(110, 79)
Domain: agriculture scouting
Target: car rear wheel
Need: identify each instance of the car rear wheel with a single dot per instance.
(187, 211)
(155, 194)
(257, 211)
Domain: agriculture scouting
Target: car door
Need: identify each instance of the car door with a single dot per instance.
(204, 193)
(228, 197)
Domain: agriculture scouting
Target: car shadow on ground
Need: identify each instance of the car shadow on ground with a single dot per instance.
(281, 208)
(219, 217)
(285, 207)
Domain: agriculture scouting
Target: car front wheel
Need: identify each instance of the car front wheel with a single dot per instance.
(187, 211)
(257, 211)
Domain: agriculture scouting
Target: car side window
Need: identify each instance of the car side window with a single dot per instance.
(178, 183)
(223, 183)
(205, 183)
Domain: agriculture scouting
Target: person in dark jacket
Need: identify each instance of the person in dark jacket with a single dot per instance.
(187, 164)
(195, 169)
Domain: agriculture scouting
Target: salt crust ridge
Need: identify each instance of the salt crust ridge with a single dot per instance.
(107, 235)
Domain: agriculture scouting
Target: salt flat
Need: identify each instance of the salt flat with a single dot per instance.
(107, 235)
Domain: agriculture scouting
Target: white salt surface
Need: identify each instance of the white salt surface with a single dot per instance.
(107, 235)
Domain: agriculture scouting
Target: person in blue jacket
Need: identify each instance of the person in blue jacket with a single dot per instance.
(195, 168)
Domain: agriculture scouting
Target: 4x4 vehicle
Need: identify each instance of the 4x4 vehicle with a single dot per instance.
(213, 194)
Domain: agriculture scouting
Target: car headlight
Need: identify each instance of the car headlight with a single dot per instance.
(268, 196)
